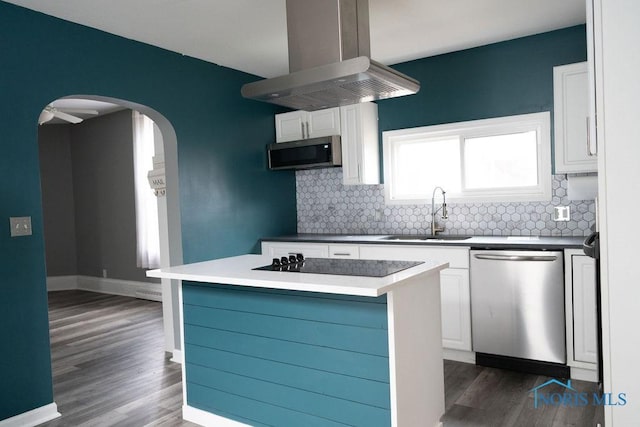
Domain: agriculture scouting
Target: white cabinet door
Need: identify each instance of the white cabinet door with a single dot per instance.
(323, 123)
(571, 119)
(456, 312)
(360, 148)
(297, 125)
(290, 126)
(454, 286)
(309, 250)
(585, 340)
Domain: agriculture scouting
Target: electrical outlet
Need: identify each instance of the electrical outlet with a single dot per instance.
(104, 272)
(20, 226)
(561, 213)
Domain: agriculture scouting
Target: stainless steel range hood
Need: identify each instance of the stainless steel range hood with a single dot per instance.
(329, 60)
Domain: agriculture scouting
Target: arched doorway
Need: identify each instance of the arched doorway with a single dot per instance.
(168, 212)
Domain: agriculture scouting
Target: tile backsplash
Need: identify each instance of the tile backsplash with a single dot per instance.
(325, 205)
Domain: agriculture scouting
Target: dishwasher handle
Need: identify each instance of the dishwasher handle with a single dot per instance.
(500, 257)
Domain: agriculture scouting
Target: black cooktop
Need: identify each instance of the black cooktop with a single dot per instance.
(343, 267)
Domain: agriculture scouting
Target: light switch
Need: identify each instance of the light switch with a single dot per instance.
(20, 226)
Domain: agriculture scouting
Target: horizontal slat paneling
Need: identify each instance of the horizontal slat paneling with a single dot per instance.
(281, 357)
(350, 310)
(229, 405)
(338, 410)
(359, 365)
(341, 386)
(332, 335)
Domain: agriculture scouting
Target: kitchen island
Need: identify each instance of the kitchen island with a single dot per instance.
(289, 348)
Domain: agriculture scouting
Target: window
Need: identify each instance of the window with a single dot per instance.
(494, 160)
(147, 229)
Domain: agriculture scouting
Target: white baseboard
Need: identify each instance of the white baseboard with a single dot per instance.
(62, 283)
(127, 288)
(33, 418)
(177, 356)
(207, 419)
(459, 355)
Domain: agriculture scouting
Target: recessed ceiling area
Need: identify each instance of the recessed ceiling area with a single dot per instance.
(250, 35)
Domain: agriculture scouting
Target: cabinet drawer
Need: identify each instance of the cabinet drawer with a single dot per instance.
(344, 251)
(456, 257)
(309, 250)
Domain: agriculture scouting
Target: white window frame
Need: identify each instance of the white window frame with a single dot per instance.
(539, 122)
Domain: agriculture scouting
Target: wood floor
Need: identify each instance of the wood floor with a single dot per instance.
(109, 364)
(476, 396)
(110, 369)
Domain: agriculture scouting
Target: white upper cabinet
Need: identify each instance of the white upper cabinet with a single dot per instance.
(360, 148)
(357, 126)
(323, 123)
(572, 121)
(290, 126)
(307, 124)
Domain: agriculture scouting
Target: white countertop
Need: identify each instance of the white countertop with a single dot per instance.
(238, 271)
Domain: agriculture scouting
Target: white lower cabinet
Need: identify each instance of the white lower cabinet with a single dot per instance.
(456, 309)
(344, 251)
(309, 250)
(454, 281)
(454, 286)
(580, 297)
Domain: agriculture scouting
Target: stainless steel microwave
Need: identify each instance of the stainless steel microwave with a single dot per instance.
(324, 152)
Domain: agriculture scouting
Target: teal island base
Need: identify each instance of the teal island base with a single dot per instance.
(260, 356)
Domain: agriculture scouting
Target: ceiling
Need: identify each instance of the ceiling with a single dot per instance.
(75, 106)
(250, 35)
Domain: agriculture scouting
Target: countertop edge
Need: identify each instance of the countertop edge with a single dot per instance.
(475, 242)
(236, 271)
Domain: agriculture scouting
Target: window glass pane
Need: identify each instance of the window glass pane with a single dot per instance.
(501, 161)
(422, 165)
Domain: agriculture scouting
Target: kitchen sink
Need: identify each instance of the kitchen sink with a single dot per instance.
(418, 238)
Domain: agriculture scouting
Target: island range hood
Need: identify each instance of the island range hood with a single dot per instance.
(329, 60)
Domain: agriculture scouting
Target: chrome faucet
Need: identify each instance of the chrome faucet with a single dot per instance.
(434, 228)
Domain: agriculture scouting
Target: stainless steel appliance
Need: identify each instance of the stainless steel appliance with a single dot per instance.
(517, 308)
(329, 60)
(306, 154)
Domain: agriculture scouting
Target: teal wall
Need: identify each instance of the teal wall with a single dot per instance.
(227, 196)
(501, 79)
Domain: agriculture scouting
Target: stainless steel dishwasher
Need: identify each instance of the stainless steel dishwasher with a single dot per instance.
(517, 304)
